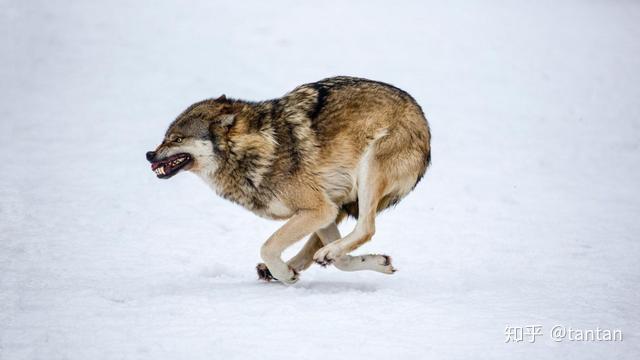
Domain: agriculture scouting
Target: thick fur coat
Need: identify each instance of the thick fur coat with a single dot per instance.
(340, 146)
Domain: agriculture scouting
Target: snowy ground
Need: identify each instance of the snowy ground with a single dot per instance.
(529, 215)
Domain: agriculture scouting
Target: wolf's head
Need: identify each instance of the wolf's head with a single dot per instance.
(189, 141)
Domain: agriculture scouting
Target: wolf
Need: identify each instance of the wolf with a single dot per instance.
(339, 147)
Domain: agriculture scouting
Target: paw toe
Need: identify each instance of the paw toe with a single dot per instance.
(386, 263)
(295, 276)
(323, 257)
(324, 262)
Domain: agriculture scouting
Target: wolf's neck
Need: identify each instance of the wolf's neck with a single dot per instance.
(247, 160)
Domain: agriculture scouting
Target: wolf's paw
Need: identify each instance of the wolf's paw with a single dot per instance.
(289, 277)
(326, 255)
(264, 273)
(293, 277)
(385, 264)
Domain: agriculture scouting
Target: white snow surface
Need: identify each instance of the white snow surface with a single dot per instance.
(529, 214)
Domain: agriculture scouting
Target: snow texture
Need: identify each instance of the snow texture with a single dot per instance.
(529, 214)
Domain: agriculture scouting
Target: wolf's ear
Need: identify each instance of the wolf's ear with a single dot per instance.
(223, 122)
(227, 114)
(222, 97)
(226, 120)
(219, 127)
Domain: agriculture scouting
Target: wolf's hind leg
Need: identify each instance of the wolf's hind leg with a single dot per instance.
(379, 263)
(371, 189)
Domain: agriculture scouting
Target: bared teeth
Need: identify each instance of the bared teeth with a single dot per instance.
(176, 161)
(160, 170)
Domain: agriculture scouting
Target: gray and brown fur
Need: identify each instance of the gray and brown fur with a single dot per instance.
(340, 146)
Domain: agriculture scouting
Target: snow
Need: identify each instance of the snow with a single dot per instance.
(529, 214)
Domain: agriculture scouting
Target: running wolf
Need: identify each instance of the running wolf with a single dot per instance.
(342, 146)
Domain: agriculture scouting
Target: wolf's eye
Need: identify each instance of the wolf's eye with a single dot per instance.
(178, 140)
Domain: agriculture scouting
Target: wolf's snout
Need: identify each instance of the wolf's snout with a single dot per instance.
(151, 155)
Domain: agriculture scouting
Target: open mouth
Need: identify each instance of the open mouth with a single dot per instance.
(170, 166)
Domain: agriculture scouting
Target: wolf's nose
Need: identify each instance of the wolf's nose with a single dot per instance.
(151, 155)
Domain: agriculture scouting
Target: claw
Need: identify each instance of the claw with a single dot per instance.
(324, 256)
(324, 262)
(296, 274)
(387, 263)
(291, 280)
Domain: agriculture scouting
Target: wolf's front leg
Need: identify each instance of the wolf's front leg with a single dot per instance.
(301, 224)
(300, 262)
